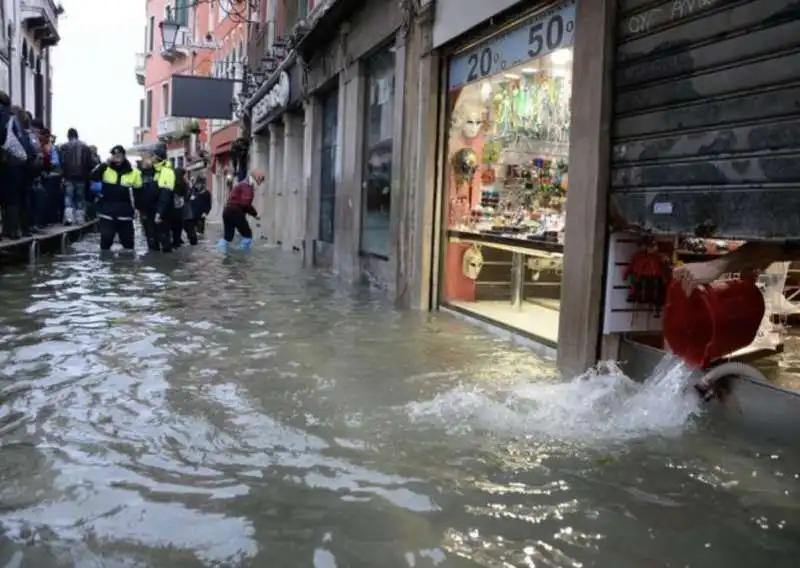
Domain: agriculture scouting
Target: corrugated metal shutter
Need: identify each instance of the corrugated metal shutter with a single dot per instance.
(706, 125)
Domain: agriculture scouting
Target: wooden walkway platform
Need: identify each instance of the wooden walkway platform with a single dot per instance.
(50, 240)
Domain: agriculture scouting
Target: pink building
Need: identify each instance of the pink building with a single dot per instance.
(155, 67)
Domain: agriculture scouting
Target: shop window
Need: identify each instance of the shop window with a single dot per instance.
(507, 179)
(376, 193)
(327, 186)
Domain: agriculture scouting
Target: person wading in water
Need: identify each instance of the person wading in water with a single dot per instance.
(237, 208)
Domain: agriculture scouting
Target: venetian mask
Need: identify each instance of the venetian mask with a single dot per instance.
(465, 164)
(471, 126)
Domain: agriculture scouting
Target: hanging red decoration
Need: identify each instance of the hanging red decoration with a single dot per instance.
(648, 276)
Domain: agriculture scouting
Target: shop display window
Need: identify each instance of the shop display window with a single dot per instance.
(507, 179)
(378, 145)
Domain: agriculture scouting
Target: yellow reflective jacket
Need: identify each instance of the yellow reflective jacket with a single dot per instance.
(165, 179)
(120, 183)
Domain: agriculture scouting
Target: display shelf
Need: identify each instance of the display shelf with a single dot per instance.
(525, 246)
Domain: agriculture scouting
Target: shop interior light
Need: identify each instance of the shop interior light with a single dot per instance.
(561, 56)
(529, 71)
(511, 76)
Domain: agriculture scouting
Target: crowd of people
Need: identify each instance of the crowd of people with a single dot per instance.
(41, 183)
(44, 184)
(168, 203)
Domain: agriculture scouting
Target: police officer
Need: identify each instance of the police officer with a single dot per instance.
(165, 206)
(148, 202)
(120, 183)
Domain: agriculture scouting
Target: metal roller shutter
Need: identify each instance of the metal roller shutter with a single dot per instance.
(706, 127)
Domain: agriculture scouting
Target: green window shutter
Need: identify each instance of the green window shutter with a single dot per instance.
(182, 12)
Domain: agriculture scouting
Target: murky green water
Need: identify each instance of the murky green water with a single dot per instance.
(192, 410)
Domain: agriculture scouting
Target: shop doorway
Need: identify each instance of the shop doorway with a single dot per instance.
(506, 174)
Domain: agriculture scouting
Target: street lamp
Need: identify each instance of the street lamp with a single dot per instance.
(257, 78)
(169, 27)
(279, 48)
(269, 64)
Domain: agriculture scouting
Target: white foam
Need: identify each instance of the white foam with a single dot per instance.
(602, 404)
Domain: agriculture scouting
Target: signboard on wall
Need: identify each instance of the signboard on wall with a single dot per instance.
(194, 96)
(541, 33)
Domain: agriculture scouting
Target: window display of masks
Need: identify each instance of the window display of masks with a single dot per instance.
(530, 202)
(534, 107)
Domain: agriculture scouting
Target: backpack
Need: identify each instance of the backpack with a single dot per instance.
(12, 151)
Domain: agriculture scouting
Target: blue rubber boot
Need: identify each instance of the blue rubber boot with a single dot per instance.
(245, 244)
(223, 245)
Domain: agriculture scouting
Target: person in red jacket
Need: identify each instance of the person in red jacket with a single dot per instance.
(237, 208)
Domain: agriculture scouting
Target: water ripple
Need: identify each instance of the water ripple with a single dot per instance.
(242, 411)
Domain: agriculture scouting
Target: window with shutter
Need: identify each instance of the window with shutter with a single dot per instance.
(182, 12)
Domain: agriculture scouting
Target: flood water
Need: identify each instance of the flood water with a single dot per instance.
(199, 411)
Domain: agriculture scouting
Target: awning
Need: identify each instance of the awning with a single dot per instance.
(223, 148)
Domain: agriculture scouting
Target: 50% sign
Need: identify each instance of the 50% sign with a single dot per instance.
(541, 34)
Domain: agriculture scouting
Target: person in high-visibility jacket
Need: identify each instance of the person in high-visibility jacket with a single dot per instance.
(164, 211)
(120, 183)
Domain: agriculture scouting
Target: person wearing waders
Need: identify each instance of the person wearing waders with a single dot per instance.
(117, 199)
(165, 184)
(237, 208)
(148, 203)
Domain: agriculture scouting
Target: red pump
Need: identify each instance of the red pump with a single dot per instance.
(712, 322)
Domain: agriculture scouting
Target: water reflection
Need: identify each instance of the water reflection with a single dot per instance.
(197, 410)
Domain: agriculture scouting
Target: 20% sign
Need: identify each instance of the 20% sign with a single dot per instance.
(544, 34)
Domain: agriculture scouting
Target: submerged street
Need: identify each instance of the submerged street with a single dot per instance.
(199, 410)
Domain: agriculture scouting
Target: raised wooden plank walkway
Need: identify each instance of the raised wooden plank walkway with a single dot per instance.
(50, 239)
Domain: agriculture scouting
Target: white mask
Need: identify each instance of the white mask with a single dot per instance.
(471, 127)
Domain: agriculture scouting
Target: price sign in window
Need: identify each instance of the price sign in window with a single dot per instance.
(536, 36)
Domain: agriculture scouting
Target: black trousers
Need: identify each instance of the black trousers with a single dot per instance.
(234, 219)
(178, 226)
(12, 193)
(110, 228)
(158, 235)
(150, 231)
(190, 228)
(200, 226)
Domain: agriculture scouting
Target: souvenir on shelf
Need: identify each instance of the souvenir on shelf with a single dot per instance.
(519, 160)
